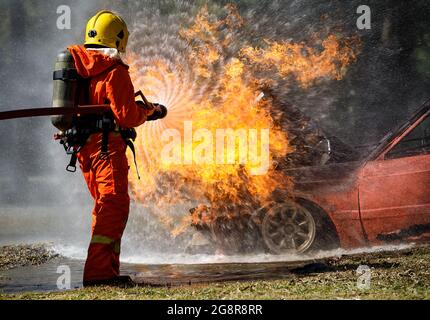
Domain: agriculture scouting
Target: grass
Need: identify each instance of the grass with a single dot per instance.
(394, 275)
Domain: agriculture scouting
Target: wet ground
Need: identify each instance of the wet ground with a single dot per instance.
(44, 277)
(41, 275)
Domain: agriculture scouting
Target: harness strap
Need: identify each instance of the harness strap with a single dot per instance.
(65, 74)
(105, 142)
(130, 144)
(72, 164)
(75, 138)
(106, 127)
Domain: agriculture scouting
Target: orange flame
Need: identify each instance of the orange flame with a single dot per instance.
(215, 92)
(304, 62)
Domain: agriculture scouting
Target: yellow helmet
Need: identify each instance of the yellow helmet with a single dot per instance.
(107, 29)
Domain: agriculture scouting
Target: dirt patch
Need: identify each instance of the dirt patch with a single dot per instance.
(13, 256)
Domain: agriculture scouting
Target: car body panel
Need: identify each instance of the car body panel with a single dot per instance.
(395, 195)
(371, 199)
(334, 188)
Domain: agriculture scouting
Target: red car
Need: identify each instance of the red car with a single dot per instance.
(384, 198)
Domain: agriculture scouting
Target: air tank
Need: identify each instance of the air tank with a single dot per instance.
(65, 89)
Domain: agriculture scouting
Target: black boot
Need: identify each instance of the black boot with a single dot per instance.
(120, 281)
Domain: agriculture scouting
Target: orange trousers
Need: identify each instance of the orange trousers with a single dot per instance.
(107, 180)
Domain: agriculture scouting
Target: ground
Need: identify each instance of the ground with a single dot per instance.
(23, 255)
(394, 275)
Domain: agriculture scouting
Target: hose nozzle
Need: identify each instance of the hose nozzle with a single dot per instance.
(156, 111)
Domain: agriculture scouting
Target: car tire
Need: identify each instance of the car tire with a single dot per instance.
(326, 237)
(297, 227)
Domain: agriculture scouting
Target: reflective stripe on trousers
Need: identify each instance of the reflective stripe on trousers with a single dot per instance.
(116, 244)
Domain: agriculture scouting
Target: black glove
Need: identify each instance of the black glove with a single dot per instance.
(141, 104)
(159, 113)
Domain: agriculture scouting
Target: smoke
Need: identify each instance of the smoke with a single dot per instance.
(40, 201)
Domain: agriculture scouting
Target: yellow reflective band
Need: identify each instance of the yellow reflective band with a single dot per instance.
(116, 244)
(117, 247)
(101, 239)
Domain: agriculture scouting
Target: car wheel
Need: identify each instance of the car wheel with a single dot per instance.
(297, 227)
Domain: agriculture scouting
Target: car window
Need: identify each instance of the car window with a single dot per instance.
(414, 143)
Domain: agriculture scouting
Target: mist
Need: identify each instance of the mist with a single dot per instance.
(40, 201)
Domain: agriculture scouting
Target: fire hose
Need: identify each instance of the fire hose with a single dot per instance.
(160, 110)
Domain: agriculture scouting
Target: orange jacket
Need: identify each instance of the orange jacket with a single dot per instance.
(110, 83)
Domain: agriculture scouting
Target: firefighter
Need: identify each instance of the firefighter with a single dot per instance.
(102, 158)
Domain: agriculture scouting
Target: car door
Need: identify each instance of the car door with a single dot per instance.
(394, 189)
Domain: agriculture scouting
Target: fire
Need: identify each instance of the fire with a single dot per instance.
(214, 90)
(305, 63)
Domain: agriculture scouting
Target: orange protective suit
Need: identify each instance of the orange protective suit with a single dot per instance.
(107, 177)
